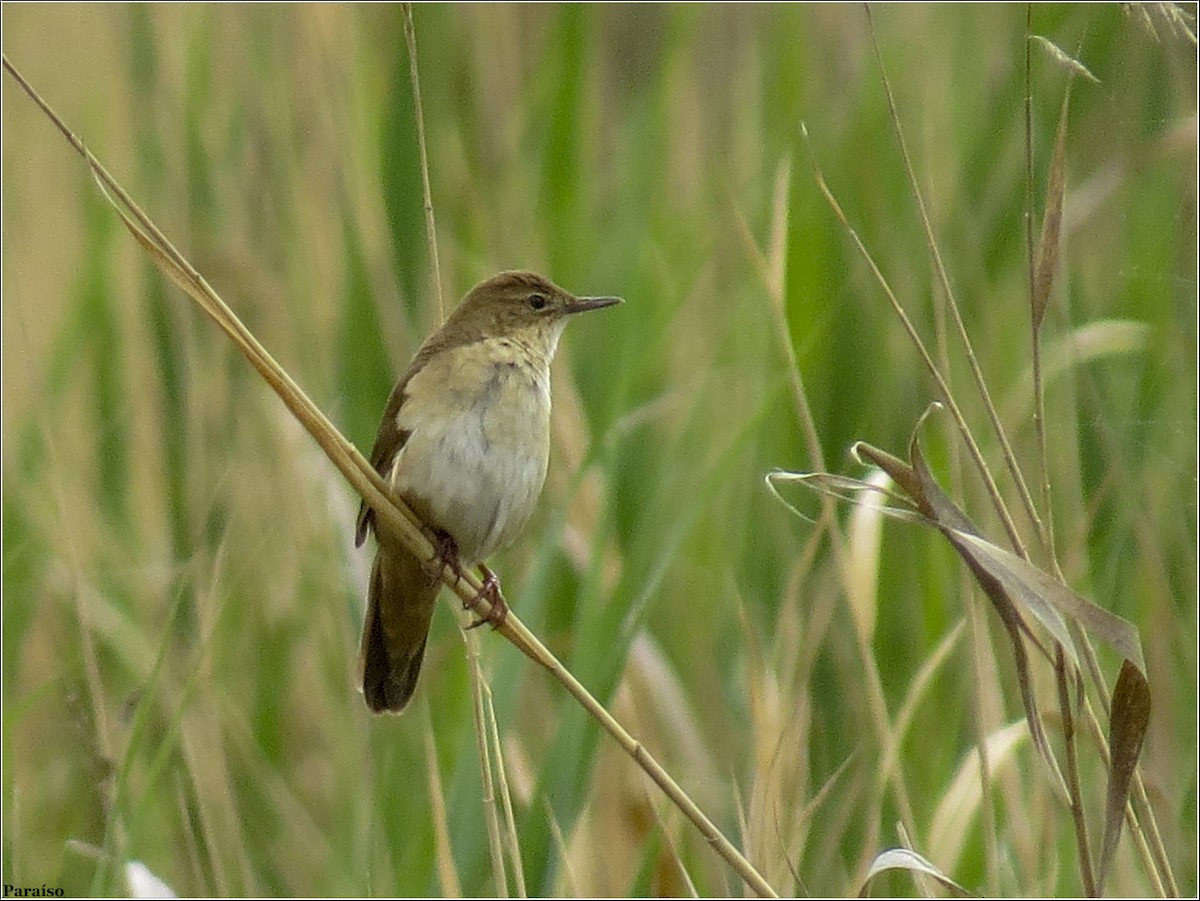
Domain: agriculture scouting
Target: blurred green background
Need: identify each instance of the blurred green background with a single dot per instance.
(181, 595)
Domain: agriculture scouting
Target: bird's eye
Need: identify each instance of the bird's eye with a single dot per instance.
(538, 301)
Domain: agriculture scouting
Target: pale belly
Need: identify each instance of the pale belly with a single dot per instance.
(474, 467)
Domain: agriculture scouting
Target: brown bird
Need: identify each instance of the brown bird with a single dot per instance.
(464, 440)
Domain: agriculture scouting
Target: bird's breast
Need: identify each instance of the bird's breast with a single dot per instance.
(478, 444)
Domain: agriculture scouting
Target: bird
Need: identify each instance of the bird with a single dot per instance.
(464, 441)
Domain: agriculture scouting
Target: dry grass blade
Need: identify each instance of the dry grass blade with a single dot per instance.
(963, 798)
(1128, 721)
(1064, 59)
(889, 760)
(839, 487)
(410, 39)
(903, 859)
(1083, 843)
(1048, 246)
(1085, 344)
(444, 854)
(391, 511)
(771, 269)
(484, 713)
(176, 267)
(860, 563)
(1049, 600)
(1026, 585)
(480, 700)
(1179, 18)
(510, 824)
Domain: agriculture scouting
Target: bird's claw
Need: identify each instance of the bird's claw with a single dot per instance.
(490, 591)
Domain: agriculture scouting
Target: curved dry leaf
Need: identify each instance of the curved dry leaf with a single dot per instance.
(900, 471)
(842, 488)
(940, 512)
(1028, 588)
(1128, 720)
(1017, 589)
(903, 859)
(953, 523)
(1048, 600)
(1024, 584)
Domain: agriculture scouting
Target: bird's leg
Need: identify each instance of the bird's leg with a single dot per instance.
(445, 556)
(490, 591)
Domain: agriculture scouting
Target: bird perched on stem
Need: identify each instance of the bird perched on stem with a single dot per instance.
(464, 440)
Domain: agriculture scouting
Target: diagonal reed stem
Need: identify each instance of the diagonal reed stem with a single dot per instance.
(392, 511)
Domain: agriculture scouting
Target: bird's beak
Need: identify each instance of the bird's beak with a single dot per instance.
(583, 304)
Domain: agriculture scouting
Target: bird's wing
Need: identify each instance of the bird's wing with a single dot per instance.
(388, 441)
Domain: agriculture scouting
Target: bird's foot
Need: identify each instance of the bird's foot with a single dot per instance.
(490, 591)
(445, 556)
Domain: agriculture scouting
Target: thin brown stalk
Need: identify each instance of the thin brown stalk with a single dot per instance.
(410, 38)
(1147, 839)
(1086, 870)
(981, 385)
(934, 371)
(1039, 413)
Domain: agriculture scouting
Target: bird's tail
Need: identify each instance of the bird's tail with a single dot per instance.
(399, 609)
